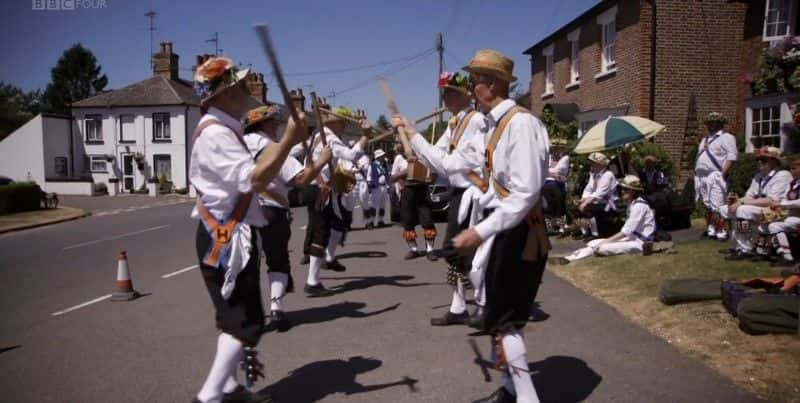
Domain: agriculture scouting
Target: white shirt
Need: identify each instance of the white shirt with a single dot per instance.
(398, 165)
(775, 185)
(793, 205)
(281, 184)
(559, 169)
(298, 152)
(641, 221)
(602, 188)
(722, 145)
(220, 167)
(520, 163)
(339, 150)
(361, 168)
(439, 158)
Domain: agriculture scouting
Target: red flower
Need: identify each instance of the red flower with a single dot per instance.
(214, 68)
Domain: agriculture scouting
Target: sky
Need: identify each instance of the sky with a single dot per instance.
(310, 36)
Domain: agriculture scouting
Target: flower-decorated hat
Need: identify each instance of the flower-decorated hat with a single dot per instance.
(216, 75)
(454, 81)
(715, 118)
(340, 114)
(493, 63)
(261, 114)
(631, 182)
(765, 153)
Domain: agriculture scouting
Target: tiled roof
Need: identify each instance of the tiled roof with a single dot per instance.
(155, 90)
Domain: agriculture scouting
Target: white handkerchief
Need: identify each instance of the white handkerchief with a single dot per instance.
(240, 255)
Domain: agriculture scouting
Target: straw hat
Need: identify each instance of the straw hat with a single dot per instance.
(454, 81)
(599, 158)
(768, 153)
(493, 63)
(261, 114)
(214, 76)
(631, 182)
(715, 117)
(339, 115)
(650, 158)
(558, 142)
(378, 153)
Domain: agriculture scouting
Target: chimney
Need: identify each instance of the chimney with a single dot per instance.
(165, 63)
(298, 99)
(257, 87)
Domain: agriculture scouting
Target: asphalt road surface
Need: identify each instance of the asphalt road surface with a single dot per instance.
(62, 340)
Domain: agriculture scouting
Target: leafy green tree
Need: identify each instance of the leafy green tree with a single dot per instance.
(76, 76)
(17, 107)
(383, 123)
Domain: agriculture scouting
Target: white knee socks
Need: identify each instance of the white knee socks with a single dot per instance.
(579, 254)
(476, 278)
(412, 245)
(277, 290)
(333, 243)
(223, 369)
(593, 222)
(514, 348)
(459, 304)
(429, 245)
(314, 266)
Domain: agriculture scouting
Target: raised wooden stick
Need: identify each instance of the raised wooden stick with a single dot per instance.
(389, 133)
(321, 127)
(392, 105)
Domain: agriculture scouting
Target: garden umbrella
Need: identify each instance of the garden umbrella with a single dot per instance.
(617, 131)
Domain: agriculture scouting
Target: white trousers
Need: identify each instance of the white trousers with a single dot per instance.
(625, 247)
(779, 229)
(363, 195)
(743, 242)
(712, 190)
(378, 197)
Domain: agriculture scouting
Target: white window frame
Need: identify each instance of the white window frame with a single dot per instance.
(574, 59)
(98, 159)
(608, 49)
(549, 74)
(785, 16)
(94, 131)
(131, 137)
(161, 132)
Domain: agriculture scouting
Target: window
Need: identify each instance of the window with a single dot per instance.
(127, 129)
(608, 55)
(161, 127)
(766, 127)
(97, 163)
(548, 75)
(60, 166)
(574, 58)
(778, 19)
(162, 165)
(93, 125)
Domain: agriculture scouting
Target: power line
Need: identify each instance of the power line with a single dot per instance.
(387, 73)
(361, 67)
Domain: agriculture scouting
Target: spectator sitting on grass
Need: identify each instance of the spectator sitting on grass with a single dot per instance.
(790, 209)
(639, 228)
(769, 185)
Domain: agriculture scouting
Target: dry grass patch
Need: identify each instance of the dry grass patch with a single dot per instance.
(766, 365)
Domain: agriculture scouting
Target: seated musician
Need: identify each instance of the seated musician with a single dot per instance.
(789, 210)
(769, 185)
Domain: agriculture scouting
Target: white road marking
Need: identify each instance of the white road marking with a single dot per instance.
(83, 305)
(116, 237)
(175, 273)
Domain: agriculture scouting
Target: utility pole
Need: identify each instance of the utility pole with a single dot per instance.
(215, 39)
(332, 96)
(440, 49)
(152, 16)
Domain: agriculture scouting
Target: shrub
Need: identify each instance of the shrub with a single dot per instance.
(741, 173)
(20, 196)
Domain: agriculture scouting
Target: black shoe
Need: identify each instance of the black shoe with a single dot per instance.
(279, 321)
(242, 395)
(318, 290)
(589, 238)
(381, 224)
(412, 254)
(450, 319)
(704, 235)
(305, 259)
(782, 262)
(499, 396)
(477, 318)
(739, 256)
(335, 266)
(727, 251)
(577, 236)
(792, 271)
(369, 226)
(431, 256)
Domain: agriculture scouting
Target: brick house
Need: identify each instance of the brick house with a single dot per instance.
(670, 61)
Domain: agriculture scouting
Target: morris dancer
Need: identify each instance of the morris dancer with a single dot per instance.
(225, 176)
(715, 156)
(377, 184)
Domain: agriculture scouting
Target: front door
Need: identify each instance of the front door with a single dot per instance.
(128, 176)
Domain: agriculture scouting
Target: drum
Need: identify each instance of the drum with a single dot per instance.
(417, 172)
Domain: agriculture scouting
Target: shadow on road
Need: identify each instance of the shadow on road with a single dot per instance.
(563, 379)
(364, 282)
(313, 382)
(7, 349)
(332, 312)
(363, 255)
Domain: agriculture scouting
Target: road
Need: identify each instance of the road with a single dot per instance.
(361, 345)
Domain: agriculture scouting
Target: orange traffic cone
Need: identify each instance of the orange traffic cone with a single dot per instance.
(124, 290)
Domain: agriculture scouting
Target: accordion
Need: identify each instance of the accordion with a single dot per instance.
(417, 172)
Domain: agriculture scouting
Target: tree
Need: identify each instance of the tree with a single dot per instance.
(17, 107)
(383, 123)
(76, 76)
(428, 132)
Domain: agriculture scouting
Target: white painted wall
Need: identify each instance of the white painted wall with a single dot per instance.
(21, 156)
(69, 188)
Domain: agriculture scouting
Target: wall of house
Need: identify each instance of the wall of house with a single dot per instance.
(614, 90)
(752, 46)
(21, 156)
(141, 142)
(56, 140)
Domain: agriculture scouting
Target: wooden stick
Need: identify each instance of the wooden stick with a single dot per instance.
(389, 133)
(392, 105)
(266, 43)
(321, 128)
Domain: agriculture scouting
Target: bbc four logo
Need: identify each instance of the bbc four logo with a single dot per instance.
(67, 5)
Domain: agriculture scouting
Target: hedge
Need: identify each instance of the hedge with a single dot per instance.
(20, 196)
